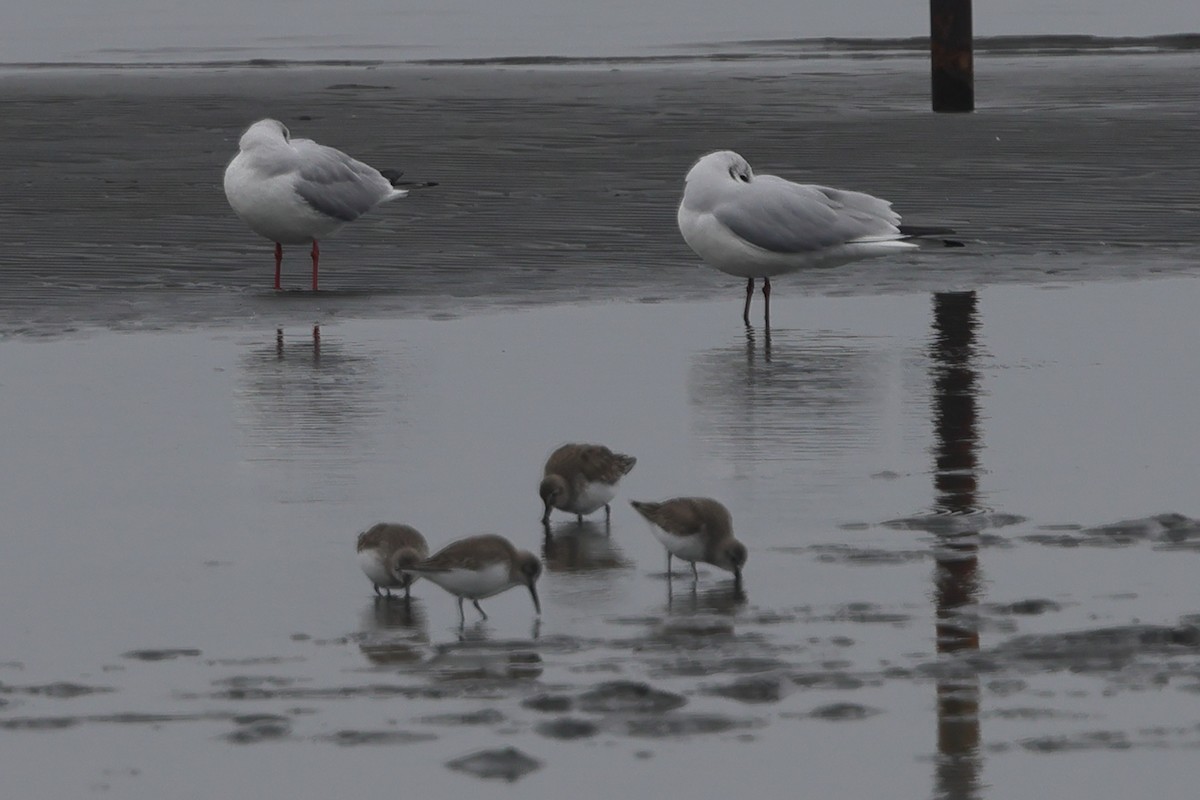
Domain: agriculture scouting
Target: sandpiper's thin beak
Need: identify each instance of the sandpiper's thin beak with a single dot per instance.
(536, 603)
(737, 579)
(546, 515)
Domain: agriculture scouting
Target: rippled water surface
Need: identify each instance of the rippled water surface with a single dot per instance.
(966, 478)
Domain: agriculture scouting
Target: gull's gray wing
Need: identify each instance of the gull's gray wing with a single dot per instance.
(784, 217)
(335, 184)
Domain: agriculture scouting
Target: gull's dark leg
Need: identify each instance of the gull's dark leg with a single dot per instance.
(479, 609)
(749, 294)
(766, 305)
(278, 263)
(316, 256)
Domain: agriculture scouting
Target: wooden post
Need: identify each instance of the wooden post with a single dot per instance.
(951, 56)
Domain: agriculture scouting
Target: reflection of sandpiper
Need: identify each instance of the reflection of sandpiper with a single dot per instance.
(580, 547)
(385, 548)
(393, 633)
(580, 478)
(695, 529)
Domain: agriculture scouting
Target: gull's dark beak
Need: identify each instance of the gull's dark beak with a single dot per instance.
(533, 593)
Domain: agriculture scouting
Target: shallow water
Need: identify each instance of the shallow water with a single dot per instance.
(966, 479)
(183, 596)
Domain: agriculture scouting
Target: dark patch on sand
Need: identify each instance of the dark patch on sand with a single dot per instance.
(508, 764)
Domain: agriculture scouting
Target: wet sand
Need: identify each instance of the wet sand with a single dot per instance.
(967, 479)
(561, 184)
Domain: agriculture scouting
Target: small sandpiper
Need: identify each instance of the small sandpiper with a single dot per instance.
(481, 566)
(695, 529)
(384, 548)
(579, 478)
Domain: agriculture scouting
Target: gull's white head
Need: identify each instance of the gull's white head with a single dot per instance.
(721, 165)
(264, 132)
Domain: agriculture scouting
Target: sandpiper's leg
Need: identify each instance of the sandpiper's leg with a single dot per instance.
(278, 263)
(579, 518)
(479, 609)
(766, 304)
(376, 585)
(668, 565)
(607, 512)
(695, 575)
(749, 294)
(461, 616)
(407, 592)
(316, 256)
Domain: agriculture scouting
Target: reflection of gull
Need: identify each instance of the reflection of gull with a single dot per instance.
(809, 393)
(295, 191)
(306, 392)
(759, 226)
(303, 404)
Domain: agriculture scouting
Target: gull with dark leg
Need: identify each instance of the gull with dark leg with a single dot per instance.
(760, 226)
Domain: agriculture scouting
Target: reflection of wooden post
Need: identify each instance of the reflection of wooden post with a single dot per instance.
(955, 390)
(951, 55)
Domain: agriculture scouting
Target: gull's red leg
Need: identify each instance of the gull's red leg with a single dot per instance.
(278, 262)
(316, 256)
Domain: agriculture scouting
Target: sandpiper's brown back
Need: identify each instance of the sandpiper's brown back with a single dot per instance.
(688, 516)
(391, 536)
(473, 552)
(591, 462)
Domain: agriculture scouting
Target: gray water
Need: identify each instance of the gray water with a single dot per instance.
(140, 30)
(966, 477)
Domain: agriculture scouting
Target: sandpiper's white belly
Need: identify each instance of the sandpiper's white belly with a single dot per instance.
(594, 495)
(689, 548)
(471, 583)
(373, 565)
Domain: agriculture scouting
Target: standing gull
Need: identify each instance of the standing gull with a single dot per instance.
(760, 226)
(695, 529)
(295, 191)
(579, 478)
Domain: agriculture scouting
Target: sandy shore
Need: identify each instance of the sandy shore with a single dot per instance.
(561, 185)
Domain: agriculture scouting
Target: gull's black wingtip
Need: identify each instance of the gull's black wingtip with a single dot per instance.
(931, 232)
